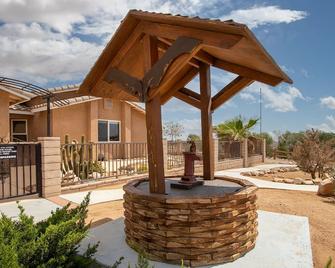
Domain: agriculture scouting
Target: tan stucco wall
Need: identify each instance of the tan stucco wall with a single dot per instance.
(138, 127)
(82, 119)
(72, 120)
(4, 115)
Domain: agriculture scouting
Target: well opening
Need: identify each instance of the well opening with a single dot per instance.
(209, 224)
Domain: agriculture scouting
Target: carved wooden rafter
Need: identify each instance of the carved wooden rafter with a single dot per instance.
(152, 78)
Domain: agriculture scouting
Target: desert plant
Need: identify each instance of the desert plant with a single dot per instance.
(236, 128)
(329, 263)
(53, 242)
(313, 155)
(74, 159)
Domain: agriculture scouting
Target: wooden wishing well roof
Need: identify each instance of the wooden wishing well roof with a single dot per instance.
(183, 44)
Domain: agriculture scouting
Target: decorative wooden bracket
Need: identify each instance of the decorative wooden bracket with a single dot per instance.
(155, 75)
(131, 84)
(152, 79)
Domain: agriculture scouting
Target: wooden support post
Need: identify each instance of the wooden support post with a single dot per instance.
(206, 121)
(154, 125)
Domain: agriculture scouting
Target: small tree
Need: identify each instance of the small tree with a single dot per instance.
(173, 130)
(193, 137)
(236, 128)
(313, 155)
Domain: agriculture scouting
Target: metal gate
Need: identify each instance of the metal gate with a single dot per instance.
(20, 170)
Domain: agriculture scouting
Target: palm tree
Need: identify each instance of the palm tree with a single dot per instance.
(236, 128)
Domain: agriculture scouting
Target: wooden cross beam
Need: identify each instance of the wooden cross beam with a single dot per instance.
(229, 91)
(188, 99)
(130, 84)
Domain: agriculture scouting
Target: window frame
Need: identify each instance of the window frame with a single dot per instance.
(12, 128)
(108, 129)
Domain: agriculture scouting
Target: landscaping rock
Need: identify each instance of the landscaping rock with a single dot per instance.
(288, 181)
(326, 187)
(308, 182)
(317, 181)
(277, 180)
(298, 181)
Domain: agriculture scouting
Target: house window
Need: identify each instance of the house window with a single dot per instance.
(109, 131)
(19, 130)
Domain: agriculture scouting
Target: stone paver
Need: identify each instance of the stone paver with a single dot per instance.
(236, 173)
(283, 241)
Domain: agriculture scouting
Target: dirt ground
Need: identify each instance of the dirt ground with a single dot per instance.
(285, 175)
(320, 212)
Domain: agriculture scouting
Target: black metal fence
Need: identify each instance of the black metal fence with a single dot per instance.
(93, 161)
(229, 150)
(254, 147)
(20, 169)
(175, 157)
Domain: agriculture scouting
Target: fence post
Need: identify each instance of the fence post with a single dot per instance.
(216, 153)
(263, 150)
(50, 166)
(244, 152)
(165, 155)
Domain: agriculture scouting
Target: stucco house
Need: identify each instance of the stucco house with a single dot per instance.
(23, 116)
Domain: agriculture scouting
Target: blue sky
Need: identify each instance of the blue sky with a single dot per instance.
(54, 43)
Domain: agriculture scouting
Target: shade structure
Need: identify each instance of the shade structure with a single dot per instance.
(153, 56)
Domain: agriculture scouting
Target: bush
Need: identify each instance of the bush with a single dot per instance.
(53, 242)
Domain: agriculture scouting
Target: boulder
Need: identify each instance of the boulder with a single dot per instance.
(326, 187)
(308, 182)
(298, 181)
(277, 179)
(290, 181)
(317, 181)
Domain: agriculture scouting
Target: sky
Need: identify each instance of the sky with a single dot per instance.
(53, 43)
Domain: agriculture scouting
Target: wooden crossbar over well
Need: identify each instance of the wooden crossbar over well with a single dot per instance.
(153, 56)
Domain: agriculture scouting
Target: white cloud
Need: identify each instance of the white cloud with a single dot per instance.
(327, 126)
(247, 96)
(329, 102)
(278, 99)
(262, 15)
(47, 40)
(37, 54)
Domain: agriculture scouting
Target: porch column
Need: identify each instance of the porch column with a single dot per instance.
(4, 115)
(154, 124)
(93, 122)
(206, 121)
(51, 166)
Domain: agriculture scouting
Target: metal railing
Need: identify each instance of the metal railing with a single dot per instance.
(254, 147)
(175, 157)
(20, 169)
(94, 161)
(229, 150)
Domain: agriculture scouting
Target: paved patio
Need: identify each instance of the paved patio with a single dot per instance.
(283, 241)
(39, 208)
(97, 196)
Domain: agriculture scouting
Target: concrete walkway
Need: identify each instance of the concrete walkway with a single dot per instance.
(236, 173)
(97, 196)
(283, 241)
(39, 208)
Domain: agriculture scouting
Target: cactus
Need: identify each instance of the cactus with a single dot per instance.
(74, 158)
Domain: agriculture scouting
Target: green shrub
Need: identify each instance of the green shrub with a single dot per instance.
(53, 242)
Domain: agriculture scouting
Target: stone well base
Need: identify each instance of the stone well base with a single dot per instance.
(209, 224)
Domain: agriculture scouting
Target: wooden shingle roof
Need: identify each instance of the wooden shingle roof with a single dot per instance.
(226, 45)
